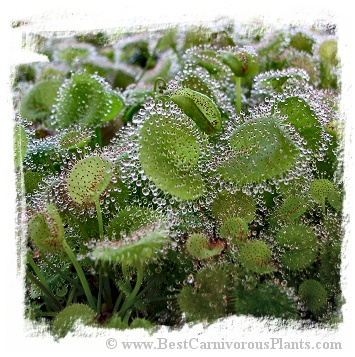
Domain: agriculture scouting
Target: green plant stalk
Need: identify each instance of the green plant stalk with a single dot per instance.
(81, 275)
(59, 272)
(118, 302)
(99, 296)
(238, 92)
(48, 293)
(98, 136)
(128, 302)
(71, 296)
(99, 218)
(38, 272)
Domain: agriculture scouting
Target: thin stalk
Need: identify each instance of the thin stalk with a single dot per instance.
(238, 92)
(99, 218)
(48, 293)
(98, 136)
(60, 272)
(99, 297)
(118, 302)
(107, 292)
(128, 302)
(81, 275)
(38, 272)
(71, 296)
(126, 317)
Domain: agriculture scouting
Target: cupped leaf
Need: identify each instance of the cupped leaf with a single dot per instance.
(169, 152)
(303, 118)
(299, 246)
(87, 101)
(74, 139)
(129, 220)
(242, 63)
(228, 205)
(323, 189)
(262, 150)
(200, 108)
(256, 256)
(291, 209)
(234, 230)
(46, 230)
(88, 179)
(313, 295)
(139, 247)
(38, 101)
(199, 246)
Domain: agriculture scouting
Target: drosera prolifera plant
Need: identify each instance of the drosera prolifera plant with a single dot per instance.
(208, 185)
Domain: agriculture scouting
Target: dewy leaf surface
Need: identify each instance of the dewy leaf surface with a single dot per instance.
(169, 152)
(262, 150)
(88, 179)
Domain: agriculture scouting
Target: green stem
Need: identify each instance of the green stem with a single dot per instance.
(126, 317)
(48, 293)
(99, 298)
(238, 92)
(37, 271)
(128, 302)
(98, 136)
(71, 296)
(118, 301)
(81, 274)
(99, 218)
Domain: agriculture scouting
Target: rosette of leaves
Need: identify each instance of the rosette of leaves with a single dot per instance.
(86, 100)
(169, 154)
(37, 103)
(264, 300)
(298, 246)
(207, 300)
(261, 149)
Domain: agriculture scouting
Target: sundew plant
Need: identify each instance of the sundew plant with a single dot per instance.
(180, 176)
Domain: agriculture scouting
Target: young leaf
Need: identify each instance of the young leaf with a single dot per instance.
(201, 109)
(199, 247)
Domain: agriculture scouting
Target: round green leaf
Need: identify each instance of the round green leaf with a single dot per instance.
(199, 247)
(256, 256)
(88, 179)
(169, 152)
(262, 150)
